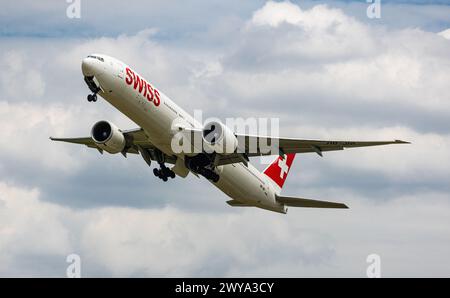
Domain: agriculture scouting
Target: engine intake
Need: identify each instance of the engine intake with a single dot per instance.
(108, 137)
(219, 138)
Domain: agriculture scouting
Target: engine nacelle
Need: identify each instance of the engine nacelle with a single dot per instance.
(108, 137)
(219, 138)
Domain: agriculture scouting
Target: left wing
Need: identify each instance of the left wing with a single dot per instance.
(136, 141)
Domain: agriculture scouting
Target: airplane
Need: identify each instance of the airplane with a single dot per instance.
(229, 170)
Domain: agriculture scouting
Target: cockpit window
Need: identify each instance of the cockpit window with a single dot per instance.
(96, 57)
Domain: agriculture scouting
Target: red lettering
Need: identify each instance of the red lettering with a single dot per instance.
(141, 85)
(137, 81)
(129, 78)
(150, 92)
(157, 100)
(145, 87)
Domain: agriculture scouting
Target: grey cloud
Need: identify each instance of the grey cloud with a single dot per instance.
(171, 242)
(180, 20)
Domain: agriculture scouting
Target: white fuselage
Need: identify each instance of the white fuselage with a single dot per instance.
(242, 183)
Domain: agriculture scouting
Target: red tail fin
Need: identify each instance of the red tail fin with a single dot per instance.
(279, 169)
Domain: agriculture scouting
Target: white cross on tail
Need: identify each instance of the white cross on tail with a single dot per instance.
(283, 166)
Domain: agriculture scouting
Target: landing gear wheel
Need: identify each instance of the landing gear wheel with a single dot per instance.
(163, 173)
(169, 173)
(92, 97)
(215, 178)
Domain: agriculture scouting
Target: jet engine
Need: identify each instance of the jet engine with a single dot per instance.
(108, 137)
(219, 138)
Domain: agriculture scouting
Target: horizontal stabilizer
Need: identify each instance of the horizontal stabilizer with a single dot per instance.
(236, 203)
(300, 202)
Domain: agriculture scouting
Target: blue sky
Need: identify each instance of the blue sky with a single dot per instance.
(324, 68)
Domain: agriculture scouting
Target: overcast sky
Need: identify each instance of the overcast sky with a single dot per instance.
(323, 67)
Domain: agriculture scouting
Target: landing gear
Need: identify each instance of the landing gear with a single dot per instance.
(163, 173)
(92, 97)
(93, 87)
(201, 164)
(209, 174)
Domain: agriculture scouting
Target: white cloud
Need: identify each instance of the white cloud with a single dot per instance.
(323, 53)
(319, 18)
(445, 33)
(26, 128)
(18, 79)
(320, 33)
(275, 13)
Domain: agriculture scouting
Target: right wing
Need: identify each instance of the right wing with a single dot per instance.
(306, 203)
(252, 144)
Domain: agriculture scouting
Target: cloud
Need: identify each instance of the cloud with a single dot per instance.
(29, 227)
(26, 124)
(172, 242)
(303, 54)
(25, 148)
(399, 162)
(445, 33)
(18, 79)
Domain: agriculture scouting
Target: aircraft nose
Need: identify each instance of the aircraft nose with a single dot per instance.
(88, 67)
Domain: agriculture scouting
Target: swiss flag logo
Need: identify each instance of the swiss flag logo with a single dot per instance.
(279, 169)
